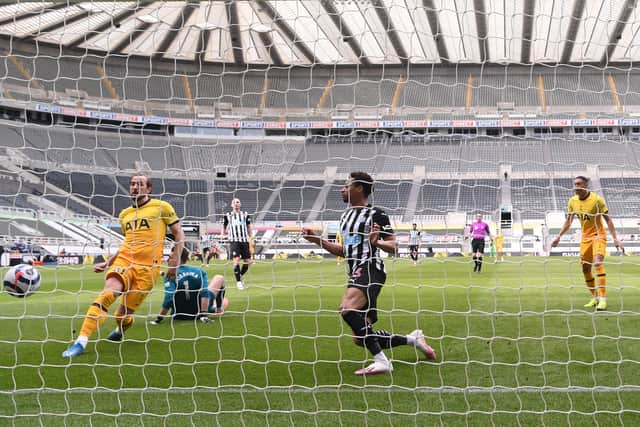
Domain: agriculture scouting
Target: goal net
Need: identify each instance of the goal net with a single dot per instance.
(455, 108)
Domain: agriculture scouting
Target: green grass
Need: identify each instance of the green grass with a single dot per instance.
(514, 347)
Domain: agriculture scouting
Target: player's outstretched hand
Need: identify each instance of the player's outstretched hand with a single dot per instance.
(618, 245)
(555, 242)
(309, 234)
(100, 267)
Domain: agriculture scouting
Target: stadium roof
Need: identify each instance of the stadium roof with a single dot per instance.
(366, 32)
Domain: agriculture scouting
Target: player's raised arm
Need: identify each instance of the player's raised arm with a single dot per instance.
(330, 247)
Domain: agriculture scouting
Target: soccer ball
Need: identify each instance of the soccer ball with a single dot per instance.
(22, 280)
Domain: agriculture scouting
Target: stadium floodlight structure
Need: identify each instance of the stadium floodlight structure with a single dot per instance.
(456, 107)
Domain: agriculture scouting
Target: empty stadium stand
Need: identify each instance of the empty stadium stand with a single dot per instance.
(622, 195)
(532, 197)
(440, 88)
(281, 179)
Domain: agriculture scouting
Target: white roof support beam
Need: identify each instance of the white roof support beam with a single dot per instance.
(25, 10)
(338, 32)
(552, 20)
(287, 31)
(392, 33)
(412, 28)
(346, 33)
(176, 27)
(113, 17)
(504, 20)
(458, 29)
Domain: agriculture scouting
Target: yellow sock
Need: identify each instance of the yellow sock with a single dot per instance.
(97, 313)
(602, 281)
(591, 283)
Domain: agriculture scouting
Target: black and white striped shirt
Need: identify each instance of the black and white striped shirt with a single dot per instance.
(414, 237)
(355, 225)
(236, 224)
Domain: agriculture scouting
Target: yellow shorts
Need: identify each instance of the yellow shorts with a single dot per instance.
(138, 280)
(592, 247)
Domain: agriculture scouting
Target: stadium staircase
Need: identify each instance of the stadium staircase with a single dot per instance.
(72, 232)
(267, 205)
(318, 204)
(77, 229)
(419, 172)
(383, 151)
(505, 186)
(594, 177)
(84, 232)
(11, 165)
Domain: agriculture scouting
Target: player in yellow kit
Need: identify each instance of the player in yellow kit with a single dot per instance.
(591, 209)
(498, 240)
(133, 270)
(339, 242)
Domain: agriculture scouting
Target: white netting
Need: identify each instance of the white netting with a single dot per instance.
(455, 107)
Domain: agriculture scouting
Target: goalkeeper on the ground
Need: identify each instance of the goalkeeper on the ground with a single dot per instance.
(190, 294)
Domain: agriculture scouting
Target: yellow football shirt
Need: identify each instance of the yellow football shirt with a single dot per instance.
(498, 241)
(144, 229)
(589, 211)
(339, 242)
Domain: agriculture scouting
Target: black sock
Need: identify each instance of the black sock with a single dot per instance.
(220, 297)
(479, 263)
(245, 267)
(475, 261)
(361, 329)
(388, 340)
(236, 272)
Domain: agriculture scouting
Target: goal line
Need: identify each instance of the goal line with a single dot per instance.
(333, 389)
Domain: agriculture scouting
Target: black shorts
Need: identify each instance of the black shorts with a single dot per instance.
(477, 245)
(413, 248)
(369, 280)
(240, 249)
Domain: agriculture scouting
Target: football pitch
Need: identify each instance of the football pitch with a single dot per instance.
(514, 344)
